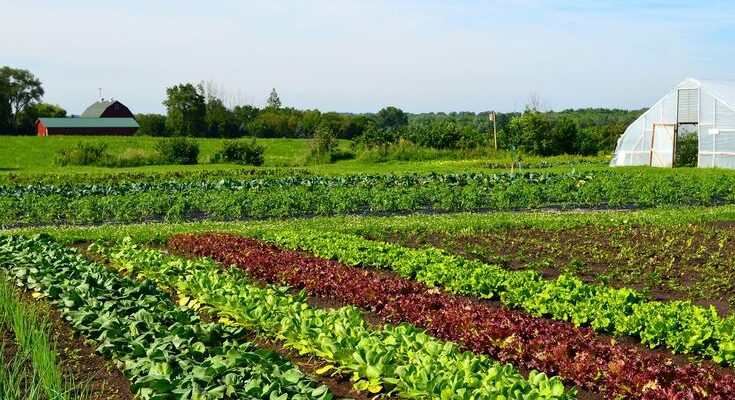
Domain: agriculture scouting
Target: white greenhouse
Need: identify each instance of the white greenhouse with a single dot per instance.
(706, 107)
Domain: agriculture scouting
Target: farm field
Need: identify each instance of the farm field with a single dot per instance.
(421, 200)
(567, 280)
(389, 306)
(248, 194)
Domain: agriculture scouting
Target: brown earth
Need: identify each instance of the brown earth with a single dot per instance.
(694, 262)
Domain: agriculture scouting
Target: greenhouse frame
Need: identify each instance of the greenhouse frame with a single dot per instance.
(706, 107)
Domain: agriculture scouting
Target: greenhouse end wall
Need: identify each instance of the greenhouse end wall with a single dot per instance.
(649, 140)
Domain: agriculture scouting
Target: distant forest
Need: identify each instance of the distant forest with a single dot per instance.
(202, 110)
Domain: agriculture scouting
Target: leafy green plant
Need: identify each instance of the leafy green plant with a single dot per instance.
(178, 150)
(679, 325)
(687, 150)
(240, 152)
(401, 360)
(166, 351)
(84, 153)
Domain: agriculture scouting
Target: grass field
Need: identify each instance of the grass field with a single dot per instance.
(32, 155)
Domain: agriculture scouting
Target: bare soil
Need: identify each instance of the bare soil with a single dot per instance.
(695, 262)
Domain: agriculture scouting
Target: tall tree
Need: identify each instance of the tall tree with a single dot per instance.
(564, 136)
(22, 89)
(27, 119)
(186, 110)
(390, 118)
(219, 119)
(243, 115)
(151, 125)
(5, 127)
(273, 100)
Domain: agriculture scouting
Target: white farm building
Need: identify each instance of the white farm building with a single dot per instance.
(706, 107)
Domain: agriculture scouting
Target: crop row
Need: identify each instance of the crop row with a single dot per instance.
(393, 360)
(575, 354)
(690, 261)
(82, 179)
(316, 195)
(679, 325)
(34, 371)
(77, 189)
(166, 351)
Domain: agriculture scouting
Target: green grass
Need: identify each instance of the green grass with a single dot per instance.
(32, 154)
(35, 155)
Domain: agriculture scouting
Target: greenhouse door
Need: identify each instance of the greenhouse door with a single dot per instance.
(662, 145)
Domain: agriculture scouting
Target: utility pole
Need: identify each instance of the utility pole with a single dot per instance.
(493, 117)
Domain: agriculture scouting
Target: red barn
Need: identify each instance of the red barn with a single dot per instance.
(101, 118)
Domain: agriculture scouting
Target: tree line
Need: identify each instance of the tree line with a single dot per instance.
(194, 110)
(20, 102)
(202, 110)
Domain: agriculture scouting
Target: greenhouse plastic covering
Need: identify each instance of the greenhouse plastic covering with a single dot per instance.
(707, 105)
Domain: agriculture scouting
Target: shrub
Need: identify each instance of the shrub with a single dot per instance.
(240, 152)
(687, 150)
(178, 150)
(324, 142)
(324, 147)
(89, 153)
(131, 158)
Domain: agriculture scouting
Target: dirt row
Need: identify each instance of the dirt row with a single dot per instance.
(693, 262)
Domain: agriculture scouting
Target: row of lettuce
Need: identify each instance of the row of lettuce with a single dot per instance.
(575, 354)
(166, 349)
(305, 195)
(679, 325)
(168, 352)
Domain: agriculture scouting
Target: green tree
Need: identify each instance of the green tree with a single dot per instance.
(186, 110)
(243, 115)
(219, 119)
(309, 123)
(530, 132)
(272, 123)
(5, 126)
(564, 136)
(375, 136)
(27, 119)
(687, 150)
(390, 118)
(356, 126)
(595, 139)
(21, 89)
(151, 125)
(273, 100)
(46, 110)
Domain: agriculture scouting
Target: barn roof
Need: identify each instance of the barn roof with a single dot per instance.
(96, 109)
(89, 122)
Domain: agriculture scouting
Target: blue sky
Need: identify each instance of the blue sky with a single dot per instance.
(359, 56)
